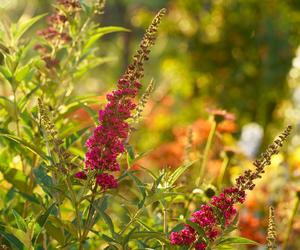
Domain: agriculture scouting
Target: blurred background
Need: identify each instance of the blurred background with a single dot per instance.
(237, 55)
(242, 56)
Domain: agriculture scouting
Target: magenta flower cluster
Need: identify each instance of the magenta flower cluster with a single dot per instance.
(107, 141)
(209, 219)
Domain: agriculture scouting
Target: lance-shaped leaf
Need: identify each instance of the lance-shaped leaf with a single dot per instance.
(23, 27)
(20, 221)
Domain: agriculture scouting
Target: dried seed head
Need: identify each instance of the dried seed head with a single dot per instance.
(135, 71)
(142, 102)
(99, 7)
(245, 181)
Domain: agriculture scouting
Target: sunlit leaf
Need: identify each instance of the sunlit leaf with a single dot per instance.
(236, 240)
(23, 27)
(99, 33)
(26, 144)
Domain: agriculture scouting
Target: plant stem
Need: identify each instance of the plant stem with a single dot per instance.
(206, 152)
(18, 126)
(75, 204)
(90, 215)
(224, 166)
(131, 221)
(290, 224)
(165, 213)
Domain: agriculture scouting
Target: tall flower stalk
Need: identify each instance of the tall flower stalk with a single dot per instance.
(108, 139)
(291, 221)
(215, 216)
(271, 238)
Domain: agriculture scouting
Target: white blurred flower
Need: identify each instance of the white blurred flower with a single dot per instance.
(251, 137)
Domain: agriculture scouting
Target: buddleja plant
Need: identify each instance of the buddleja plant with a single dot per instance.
(68, 187)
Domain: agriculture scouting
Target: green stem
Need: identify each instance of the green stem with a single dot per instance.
(18, 126)
(290, 224)
(75, 204)
(206, 152)
(224, 166)
(138, 212)
(165, 213)
(88, 221)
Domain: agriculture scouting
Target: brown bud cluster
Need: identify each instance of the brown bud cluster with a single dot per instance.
(51, 133)
(135, 70)
(70, 5)
(246, 181)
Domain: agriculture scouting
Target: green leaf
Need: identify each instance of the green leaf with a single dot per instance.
(22, 28)
(23, 72)
(67, 225)
(99, 33)
(159, 196)
(41, 222)
(42, 219)
(9, 106)
(224, 247)
(179, 171)
(26, 98)
(22, 236)
(20, 221)
(89, 64)
(27, 145)
(140, 186)
(55, 232)
(5, 72)
(14, 241)
(100, 205)
(153, 235)
(31, 198)
(235, 240)
(130, 155)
